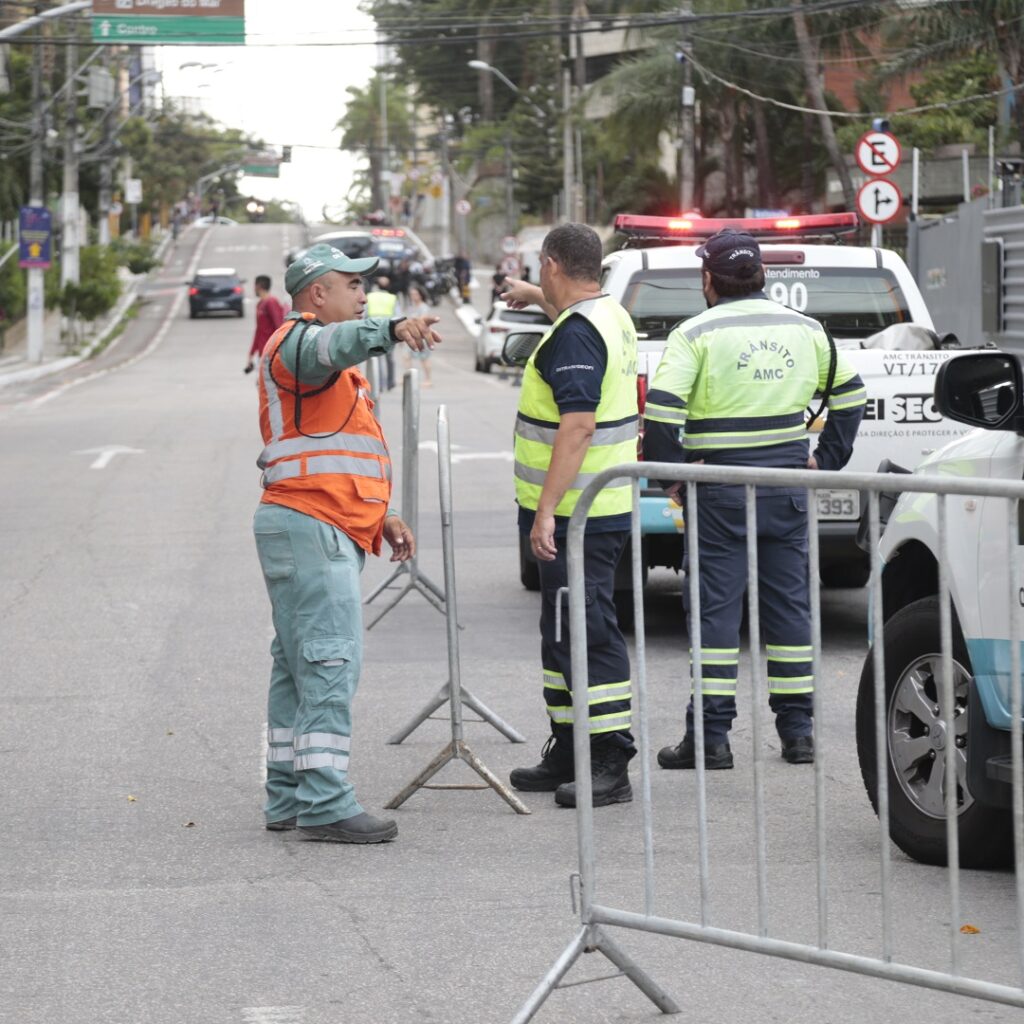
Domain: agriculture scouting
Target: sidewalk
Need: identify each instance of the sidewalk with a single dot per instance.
(15, 367)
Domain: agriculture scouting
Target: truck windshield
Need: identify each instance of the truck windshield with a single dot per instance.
(849, 301)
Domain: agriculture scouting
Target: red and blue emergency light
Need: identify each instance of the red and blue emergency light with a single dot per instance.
(694, 227)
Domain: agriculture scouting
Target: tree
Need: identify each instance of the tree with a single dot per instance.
(363, 128)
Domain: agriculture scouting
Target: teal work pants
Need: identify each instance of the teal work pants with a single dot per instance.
(312, 574)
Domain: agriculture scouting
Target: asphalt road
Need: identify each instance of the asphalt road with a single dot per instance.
(136, 880)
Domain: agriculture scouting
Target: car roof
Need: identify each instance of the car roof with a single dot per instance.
(353, 233)
(668, 257)
(217, 272)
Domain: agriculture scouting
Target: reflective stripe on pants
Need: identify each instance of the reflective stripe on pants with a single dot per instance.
(607, 655)
(784, 605)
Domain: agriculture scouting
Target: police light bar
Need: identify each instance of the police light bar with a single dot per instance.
(388, 232)
(694, 227)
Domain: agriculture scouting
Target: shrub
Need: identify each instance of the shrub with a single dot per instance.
(99, 287)
(137, 256)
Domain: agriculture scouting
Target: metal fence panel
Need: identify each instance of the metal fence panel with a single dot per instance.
(598, 918)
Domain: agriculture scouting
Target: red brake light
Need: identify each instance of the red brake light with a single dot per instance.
(193, 290)
(495, 329)
(238, 289)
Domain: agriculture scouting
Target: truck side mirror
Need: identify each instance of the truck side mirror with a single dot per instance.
(519, 347)
(982, 389)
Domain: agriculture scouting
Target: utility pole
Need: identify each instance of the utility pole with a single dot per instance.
(37, 197)
(446, 192)
(106, 182)
(510, 195)
(687, 162)
(70, 220)
(385, 162)
(568, 170)
(578, 205)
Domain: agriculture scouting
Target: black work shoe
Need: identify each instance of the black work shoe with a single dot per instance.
(716, 755)
(556, 767)
(799, 750)
(284, 825)
(609, 780)
(362, 828)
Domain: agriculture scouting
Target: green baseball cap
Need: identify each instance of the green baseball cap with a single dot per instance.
(320, 259)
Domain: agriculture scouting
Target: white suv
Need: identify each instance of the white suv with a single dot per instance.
(864, 296)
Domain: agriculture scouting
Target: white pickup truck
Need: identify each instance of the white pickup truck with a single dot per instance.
(864, 296)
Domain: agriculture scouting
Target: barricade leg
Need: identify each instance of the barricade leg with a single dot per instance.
(591, 939)
(452, 692)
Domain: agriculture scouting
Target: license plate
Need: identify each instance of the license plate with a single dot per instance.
(216, 304)
(838, 504)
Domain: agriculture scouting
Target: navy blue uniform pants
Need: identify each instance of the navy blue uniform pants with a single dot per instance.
(784, 606)
(609, 688)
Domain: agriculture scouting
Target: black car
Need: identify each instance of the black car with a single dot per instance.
(216, 290)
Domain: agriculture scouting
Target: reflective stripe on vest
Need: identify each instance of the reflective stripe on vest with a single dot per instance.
(747, 370)
(342, 473)
(615, 436)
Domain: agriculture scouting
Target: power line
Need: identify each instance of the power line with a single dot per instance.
(861, 115)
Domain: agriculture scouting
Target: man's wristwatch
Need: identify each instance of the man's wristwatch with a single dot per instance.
(392, 324)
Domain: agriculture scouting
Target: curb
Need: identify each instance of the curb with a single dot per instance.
(124, 303)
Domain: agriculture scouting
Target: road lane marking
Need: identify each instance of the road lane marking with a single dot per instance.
(106, 455)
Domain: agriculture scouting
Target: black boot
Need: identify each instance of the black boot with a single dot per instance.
(556, 766)
(609, 780)
(716, 755)
(799, 750)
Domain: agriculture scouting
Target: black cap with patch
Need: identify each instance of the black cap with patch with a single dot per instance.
(731, 253)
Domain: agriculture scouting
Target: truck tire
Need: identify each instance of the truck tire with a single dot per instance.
(846, 575)
(917, 823)
(529, 571)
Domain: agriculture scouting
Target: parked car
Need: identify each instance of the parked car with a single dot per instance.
(984, 390)
(496, 326)
(215, 290)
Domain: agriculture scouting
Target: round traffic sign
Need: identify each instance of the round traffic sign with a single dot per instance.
(878, 153)
(463, 206)
(879, 200)
(509, 245)
(510, 266)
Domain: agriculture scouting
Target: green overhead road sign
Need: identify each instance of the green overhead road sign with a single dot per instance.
(261, 170)
(179, 22)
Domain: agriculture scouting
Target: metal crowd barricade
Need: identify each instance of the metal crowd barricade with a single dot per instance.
(418, 580)
(598, 918)
(453, 692)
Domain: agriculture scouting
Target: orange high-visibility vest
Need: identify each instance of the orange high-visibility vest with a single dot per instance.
(325, 454)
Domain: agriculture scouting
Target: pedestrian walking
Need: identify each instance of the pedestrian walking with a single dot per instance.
(269, 316)
(577, 416)
(418, 306)
(731, 389)
(327, 483)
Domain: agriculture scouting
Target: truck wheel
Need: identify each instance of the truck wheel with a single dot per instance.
(846, 574)
(529, 571)
(916, 745)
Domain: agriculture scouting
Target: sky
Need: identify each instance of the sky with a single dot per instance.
(284, 92)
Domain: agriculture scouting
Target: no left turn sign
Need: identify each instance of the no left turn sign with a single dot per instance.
(879, 200)
(878, 153)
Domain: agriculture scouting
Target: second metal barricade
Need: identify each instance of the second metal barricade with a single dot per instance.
(599, 917)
